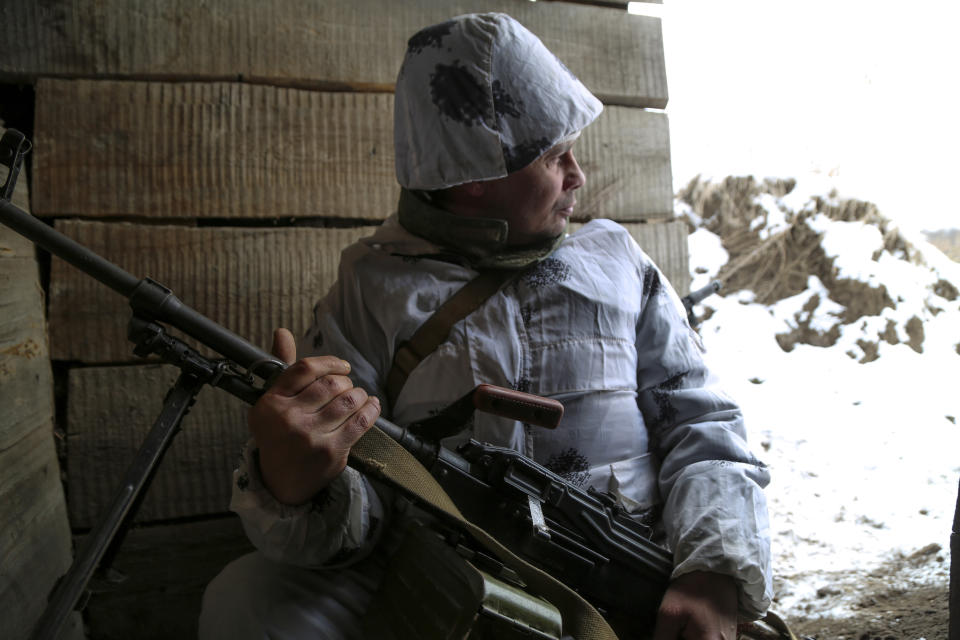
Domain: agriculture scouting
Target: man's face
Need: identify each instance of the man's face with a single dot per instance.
(537, 200)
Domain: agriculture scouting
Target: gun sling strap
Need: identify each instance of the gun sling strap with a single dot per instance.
(378, 454)
(436, 329)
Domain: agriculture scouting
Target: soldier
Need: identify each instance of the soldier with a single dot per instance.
(486, 122)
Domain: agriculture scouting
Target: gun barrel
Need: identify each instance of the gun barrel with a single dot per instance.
(41, 234)
(147, 297)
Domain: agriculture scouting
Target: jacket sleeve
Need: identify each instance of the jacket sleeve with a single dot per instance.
(714, 511)
(337, 527)
(342, 523)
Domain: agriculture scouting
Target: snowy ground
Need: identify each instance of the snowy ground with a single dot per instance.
(865, 458)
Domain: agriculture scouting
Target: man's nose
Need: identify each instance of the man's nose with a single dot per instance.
(574, 178)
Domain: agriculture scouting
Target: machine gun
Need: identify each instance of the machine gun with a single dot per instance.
(582, 537)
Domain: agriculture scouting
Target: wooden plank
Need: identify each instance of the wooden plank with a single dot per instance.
(110, 412)
(625, 156)
(26, 384)
(167, 569)
(666, 244)
(105, 148)
(211, 150)
(34, 534)
(343, 43)
(250, 280)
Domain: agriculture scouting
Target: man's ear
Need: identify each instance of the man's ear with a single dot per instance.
(474, 188)
(463, 198)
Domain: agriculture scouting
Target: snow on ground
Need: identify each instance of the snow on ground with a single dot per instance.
(864, 458)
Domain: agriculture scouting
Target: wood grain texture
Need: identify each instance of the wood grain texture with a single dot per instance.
(167, 569)
(335, 43)
(625, 156)
(111, 410)
(225, 150)
(250, 280)
(34, 534)
(228, 150)
(26, 385)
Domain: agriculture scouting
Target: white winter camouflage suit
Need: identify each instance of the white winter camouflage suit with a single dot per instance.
(591, 323)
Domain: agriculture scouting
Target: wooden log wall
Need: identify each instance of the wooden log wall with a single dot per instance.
(35, 542)
(230, 149)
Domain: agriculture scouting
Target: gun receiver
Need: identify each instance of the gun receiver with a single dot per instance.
(582, 538)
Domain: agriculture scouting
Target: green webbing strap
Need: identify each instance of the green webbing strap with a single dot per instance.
(436, 329)
(378, 454)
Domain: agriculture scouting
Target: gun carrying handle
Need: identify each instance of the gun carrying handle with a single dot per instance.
(517, 405)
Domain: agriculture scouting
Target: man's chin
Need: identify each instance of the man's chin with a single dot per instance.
(541, 237)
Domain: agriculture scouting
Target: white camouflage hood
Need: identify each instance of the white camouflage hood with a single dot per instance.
(479, 97)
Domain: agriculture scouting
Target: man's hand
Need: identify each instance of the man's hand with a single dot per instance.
(698, 606)
(306, 422)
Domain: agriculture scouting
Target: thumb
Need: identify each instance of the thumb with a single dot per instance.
(284, 345)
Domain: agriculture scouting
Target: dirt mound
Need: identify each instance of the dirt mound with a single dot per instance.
(727, 208)
(889, 602)
(888, 614)
(774, 250)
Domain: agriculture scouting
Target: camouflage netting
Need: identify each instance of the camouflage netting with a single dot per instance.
(773, 252)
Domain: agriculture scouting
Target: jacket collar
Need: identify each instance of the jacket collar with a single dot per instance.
(480, 242)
